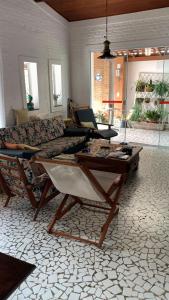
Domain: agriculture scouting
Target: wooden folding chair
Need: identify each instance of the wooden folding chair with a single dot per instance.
(15, 182)
(78, 181)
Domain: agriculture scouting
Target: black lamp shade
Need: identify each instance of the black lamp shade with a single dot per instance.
(106, 52)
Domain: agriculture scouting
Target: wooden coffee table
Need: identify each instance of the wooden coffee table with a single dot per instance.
(114, 165)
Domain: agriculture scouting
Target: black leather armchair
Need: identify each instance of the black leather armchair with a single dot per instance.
(87, 115)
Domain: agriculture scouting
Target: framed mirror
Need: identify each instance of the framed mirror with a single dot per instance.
(56, 84)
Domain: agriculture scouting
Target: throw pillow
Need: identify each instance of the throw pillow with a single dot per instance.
(20, 147)
(88, 124)
(21, 116)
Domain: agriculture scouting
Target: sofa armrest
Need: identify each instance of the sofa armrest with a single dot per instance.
(82, 131)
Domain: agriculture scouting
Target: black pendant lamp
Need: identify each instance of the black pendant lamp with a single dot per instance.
(106, 52)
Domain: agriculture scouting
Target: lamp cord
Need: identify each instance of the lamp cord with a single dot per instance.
(106, 20)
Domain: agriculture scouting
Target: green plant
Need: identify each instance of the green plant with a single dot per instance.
(140, 86)
(152, 115)
(137, 113)
(101, 116)
(162, 88)
(149, 86)
(139, 100)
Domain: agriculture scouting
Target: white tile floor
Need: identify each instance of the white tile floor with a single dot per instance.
(149, 137)
(134, 261)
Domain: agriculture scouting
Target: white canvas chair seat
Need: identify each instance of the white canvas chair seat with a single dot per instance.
(78, 181)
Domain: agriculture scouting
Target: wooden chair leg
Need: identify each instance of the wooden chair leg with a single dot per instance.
(42, 199)
(114, 210)
(7, 201)
(57, 213)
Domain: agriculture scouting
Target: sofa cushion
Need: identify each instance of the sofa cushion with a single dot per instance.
(15, 134)
(33, 132)
(59, 145)
(58, 125)
(48, 127)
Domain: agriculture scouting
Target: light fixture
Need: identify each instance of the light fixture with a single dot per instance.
(106, 52)
(98, 77)
(147, 51)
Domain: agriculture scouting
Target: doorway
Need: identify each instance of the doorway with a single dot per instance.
(131, 92)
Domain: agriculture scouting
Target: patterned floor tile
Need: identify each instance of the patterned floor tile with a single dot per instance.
(134, 261)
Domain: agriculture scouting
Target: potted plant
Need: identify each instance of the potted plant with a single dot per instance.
(153, 115)
(137, 113)
(162, 88)
(139, 100)
(147, 100)
(149, 86)
(140, 86)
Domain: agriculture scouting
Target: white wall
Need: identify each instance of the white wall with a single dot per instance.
(130, 31)
(134, 68)
(32, 30)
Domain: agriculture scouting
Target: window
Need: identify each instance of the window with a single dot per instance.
(55, 70)
(31, 85)
(29, 80)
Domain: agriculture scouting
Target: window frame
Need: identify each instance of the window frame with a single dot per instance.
(22, 60)
(51, 62)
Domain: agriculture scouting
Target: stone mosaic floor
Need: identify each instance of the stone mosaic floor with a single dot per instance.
(134, 262)
(149, 137)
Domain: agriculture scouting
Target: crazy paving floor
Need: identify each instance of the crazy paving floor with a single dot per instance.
(134, 261)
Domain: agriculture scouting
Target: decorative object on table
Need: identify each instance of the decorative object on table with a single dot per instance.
(30, 104)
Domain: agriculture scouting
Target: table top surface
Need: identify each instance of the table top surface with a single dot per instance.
(94, 148)
(12, 273)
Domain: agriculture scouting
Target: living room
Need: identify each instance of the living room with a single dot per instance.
(132, 262)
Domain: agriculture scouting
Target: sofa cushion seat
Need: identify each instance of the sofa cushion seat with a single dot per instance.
(59, 145)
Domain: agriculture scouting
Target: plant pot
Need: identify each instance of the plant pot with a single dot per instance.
(149, 89)
(147, 100)
(139, 100)
(147, 125)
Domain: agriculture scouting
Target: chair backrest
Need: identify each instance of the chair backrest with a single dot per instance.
(85, 115)
(69, 178)
(13, 178)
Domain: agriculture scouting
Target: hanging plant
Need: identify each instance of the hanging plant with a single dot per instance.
(140, 86)
(162, 88)
(149, 86)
